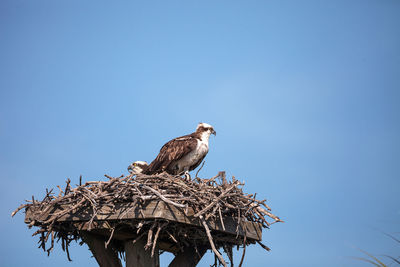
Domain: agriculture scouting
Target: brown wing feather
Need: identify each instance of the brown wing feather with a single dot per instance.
(172, 151)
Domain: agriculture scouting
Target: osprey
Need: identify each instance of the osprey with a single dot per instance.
(182, 154)
(138, 167)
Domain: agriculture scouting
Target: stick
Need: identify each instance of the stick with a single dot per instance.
(220, 217)
(137, 238)
(18, 209)
(203, 222)
(162, 197)
(200, 169)
(244, 250)
(172, 237)
(156, 237)
(149, 236)
(263, 246)
(228, 251)
(215, 201)
(111, 236)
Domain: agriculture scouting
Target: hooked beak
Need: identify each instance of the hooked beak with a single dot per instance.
(214, 132)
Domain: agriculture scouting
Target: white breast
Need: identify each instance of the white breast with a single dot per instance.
(202, 148)
(194, 156)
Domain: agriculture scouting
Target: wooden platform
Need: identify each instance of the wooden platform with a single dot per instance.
(117, 227)
(151, 210)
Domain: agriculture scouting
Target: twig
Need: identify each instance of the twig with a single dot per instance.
(149, 236)
(138, 238)
(244, 250)
(263, 246)
(111, 236)
(18, 209)
(203, 222)
(201, 167)
(162, 197)
(215, 201)
(172, 237)
(220, 217)
(156, 237)
(228, 251)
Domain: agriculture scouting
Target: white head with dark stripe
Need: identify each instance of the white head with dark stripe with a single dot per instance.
(205, 130)
(137, 167)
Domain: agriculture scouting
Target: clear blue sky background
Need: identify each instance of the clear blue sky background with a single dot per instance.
(304, 96)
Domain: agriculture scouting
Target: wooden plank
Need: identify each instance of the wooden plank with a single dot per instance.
(122, 235)
(105, 257)
(137, 256)
(189, 257)
(150, 210)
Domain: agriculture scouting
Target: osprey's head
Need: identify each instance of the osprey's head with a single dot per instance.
(205, 127)
(138, 167)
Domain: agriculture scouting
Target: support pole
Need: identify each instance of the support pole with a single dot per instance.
(137, 256)
(189, 257)
(105, 257)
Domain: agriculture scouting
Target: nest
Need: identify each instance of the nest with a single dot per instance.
(203, 200)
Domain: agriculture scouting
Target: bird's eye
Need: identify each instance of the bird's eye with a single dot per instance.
(134, 164)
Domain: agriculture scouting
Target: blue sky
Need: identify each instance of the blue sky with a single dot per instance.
(304, 96)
